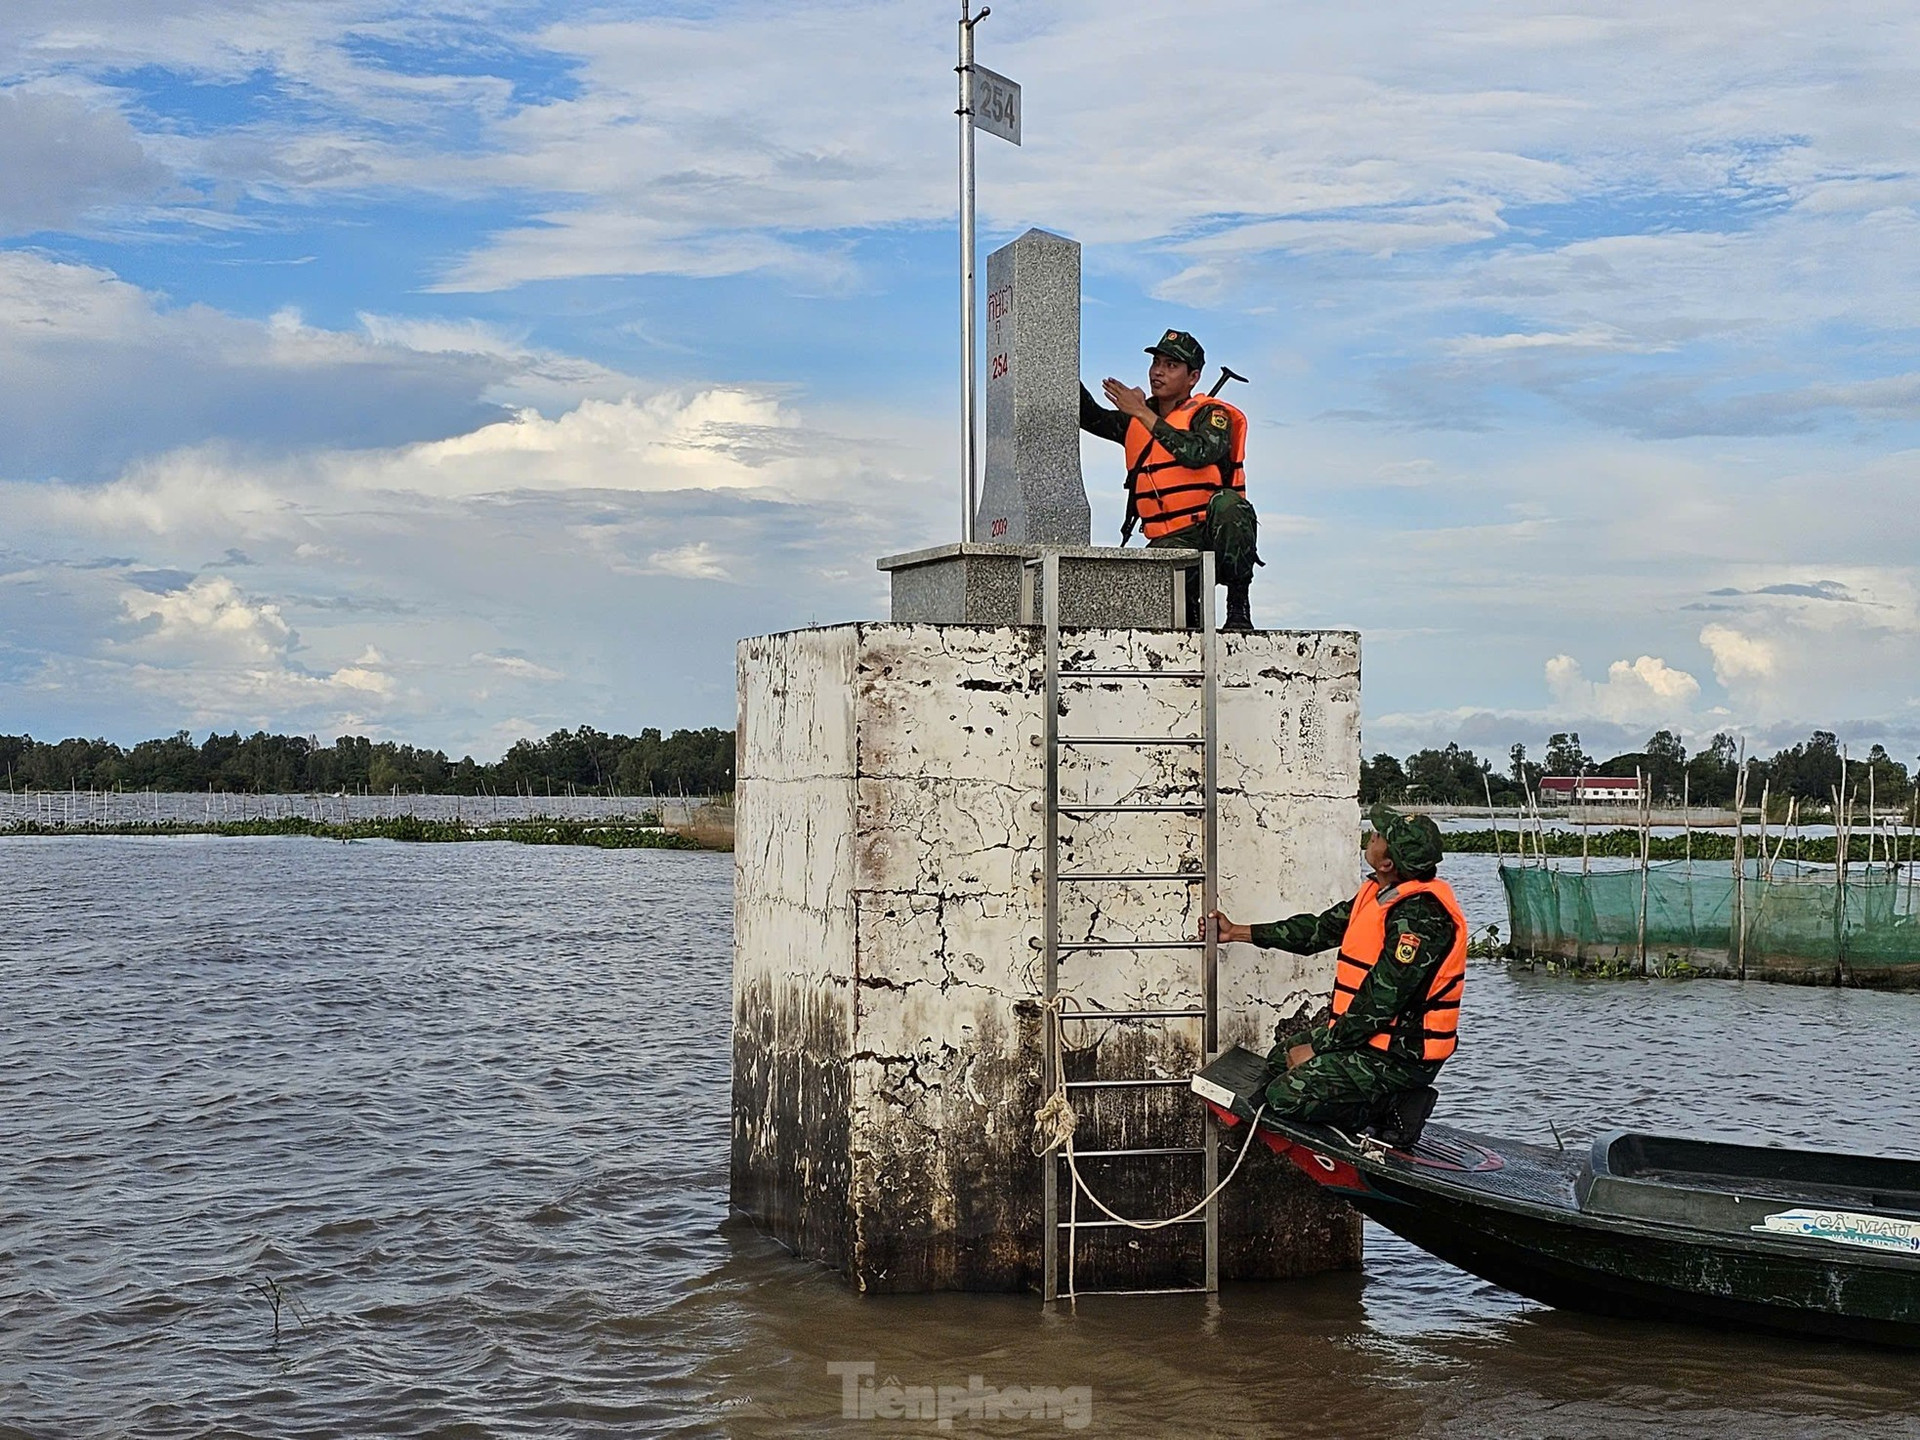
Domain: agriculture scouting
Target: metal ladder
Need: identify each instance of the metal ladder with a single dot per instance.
(1053, 947)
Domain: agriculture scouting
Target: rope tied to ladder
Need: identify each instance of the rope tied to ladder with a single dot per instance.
(1053, 1126)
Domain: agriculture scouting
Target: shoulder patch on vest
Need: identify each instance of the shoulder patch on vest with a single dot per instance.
(1219, 420)
(1407, 948)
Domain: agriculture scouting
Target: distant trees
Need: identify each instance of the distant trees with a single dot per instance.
(1713, 773)
(1808, 772)
(1524, 773)
(692, 762)
(1565, 757)
(1382, 778)
(700, 762)
(1450, 776)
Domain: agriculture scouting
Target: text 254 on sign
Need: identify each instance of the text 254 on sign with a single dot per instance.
(996, 104)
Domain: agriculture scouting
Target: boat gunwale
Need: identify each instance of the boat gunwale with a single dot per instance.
(1373, 1166)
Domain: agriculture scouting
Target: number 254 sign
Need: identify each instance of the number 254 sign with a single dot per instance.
(996, 104)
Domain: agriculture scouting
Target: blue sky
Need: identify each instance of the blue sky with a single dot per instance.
(459, 373)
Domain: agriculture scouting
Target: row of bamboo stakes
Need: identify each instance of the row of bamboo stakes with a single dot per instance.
(1842, 801)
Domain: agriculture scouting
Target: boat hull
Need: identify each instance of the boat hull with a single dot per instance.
(1560, 1261)
(1798, 1242)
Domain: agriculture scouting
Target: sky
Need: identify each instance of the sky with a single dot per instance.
(456, 372)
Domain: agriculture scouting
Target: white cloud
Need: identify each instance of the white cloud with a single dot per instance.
(216, 653)
(718, 439)
(1737, 658)
(1588, 337)
(690, 562)
(209, 619)
(95, 372)
(530, 554)
(716, 146)
(518, 666)
(64, 159)
(1647, 690)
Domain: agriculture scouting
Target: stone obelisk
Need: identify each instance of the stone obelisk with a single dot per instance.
(1032, 493)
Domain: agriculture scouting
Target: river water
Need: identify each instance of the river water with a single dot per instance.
(465, 1107)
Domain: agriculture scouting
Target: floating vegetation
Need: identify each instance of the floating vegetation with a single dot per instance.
(1624, 844)
(642, 832)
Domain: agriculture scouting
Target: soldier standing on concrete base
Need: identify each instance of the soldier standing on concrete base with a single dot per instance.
(1186, 469)
(1396, 992)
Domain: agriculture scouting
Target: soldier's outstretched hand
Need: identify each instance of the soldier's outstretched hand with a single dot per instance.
(1128, 400)
(1224, 929)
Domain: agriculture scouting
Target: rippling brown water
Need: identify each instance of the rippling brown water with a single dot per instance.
(467, 1107)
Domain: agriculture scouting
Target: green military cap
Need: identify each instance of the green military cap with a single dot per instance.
(1413, 841)
(1179, 345)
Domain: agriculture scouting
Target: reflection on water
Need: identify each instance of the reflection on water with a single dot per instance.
(467, 1106)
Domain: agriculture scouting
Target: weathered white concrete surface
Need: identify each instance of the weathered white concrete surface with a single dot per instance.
(794, 937)
(887, 1042)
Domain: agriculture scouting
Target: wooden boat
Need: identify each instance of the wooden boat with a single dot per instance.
(1805, 1242)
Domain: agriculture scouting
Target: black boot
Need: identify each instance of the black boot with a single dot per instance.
(1398, 1120)
(1239, 608)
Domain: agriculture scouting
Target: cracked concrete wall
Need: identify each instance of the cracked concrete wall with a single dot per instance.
(941, 1063)
(793, 921)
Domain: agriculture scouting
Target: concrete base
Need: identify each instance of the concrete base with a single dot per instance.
(1103, 585)
(887, 1029)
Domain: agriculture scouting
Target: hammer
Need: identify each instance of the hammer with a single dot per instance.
(1221, 383)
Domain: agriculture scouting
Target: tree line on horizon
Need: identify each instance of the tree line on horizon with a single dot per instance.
(1807, 772)
(582, 761)
(700, 762)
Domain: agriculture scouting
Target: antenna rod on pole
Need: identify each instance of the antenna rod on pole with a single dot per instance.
(969, 427)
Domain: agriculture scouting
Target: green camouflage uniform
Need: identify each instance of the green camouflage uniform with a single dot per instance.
(1346, 1076)
(1231, 529)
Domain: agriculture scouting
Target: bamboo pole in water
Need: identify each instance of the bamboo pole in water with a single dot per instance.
(1492, 819)
(1766, 795)
(1686, 823)
(1912, 825)
(1841, 839)
(1768, 862)
(1740, 866)
(1646, 816)
(1869, 820)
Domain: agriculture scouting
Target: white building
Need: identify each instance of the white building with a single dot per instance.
(1590, 789)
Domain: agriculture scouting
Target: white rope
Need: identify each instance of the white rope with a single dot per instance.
(1053, 1126)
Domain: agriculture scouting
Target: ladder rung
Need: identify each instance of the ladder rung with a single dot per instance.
(1179, 1290)
(1149, 1150)
(1115, 1225)
(1130, 739)
(1069, 947)
(1133, 674)
(1192, 877)
(1131, 809)
(1123, 1084)
(1132, 1014)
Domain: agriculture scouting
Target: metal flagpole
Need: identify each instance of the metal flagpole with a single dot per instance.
(969, 413)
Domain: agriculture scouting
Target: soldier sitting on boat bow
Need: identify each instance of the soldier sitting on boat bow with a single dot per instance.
(1396, 991)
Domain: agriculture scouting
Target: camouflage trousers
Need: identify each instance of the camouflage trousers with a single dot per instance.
(1342, 1087)
(1231, 530)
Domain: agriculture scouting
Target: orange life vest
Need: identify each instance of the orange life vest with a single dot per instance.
(1169, 496)
(1436, 1018)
